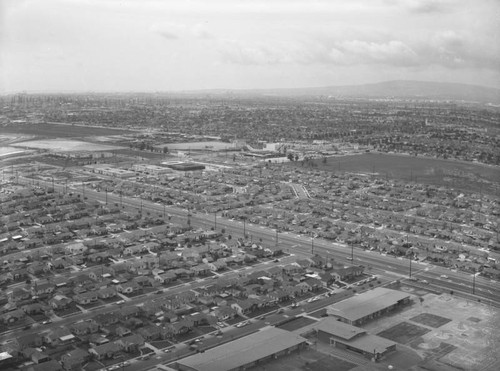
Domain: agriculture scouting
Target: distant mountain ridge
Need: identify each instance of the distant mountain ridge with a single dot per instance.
(403, 89)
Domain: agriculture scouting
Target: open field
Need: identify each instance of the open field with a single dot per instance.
(297, 323)
(430, 320)
(65, 145)
(469, 341)
(196, 146)
(403, 332)
(10, 151)
(439, 172)
(47, 130)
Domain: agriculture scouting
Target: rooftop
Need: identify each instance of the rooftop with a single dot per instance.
(369, 302)
(243, 351)
(339, 329)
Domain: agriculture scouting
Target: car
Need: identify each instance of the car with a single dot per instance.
(221, 324)
(425, 282)
(295, 305)
(46, 322)
(241, 324)
(311, 300)
(444, 276)
(120, 302)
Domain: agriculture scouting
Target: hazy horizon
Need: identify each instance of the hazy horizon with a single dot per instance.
(174, 45)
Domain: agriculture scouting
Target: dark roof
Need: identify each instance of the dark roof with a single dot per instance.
(243, 351)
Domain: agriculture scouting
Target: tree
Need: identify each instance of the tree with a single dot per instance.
(165, 149)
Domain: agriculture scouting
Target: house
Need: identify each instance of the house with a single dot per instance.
(314, 283)
(75, 248)
(224, 313)
(74, 359)
(165, 278)
(29, 341)
(109, 318)
(59, 302)
(58, 336)
(84, 327)
(134, 250)
(150, 332)
(129, 312)
(35, 355)
(106, 351)
(131, 343)
(244, 307)
(201, 269)
(38, 268)
(143, 281)
(106, 293)
(128, 287)
(19, 294)
(97, 274)
(86, 298)
(291, 269)
(35, 308)
(280, 295)
(42, 289)
(178, 328)
(217, 265)
(343, 273)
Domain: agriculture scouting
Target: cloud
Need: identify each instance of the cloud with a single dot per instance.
(352, 52)
(175, 31)
(169, 31)
(200, 32)
(428, 6)
(446, 48)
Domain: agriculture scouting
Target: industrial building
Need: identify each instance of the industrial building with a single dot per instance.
(245, 352)
(368, 305)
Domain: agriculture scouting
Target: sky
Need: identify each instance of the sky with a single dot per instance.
(172, 45)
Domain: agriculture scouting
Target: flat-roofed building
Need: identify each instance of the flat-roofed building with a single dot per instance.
(345, 336)
(368, 305)
(245, 352)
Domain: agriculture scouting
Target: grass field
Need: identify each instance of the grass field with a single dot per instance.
(403, 332)
(430, 320)
(46, 130)
(439, 172)
(66, 145)
(296, 323)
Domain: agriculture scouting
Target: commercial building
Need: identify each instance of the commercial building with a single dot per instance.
(342, 335)
(244, 353)
(151, 169)
(109, 171)
(184, 166)
(368, 305)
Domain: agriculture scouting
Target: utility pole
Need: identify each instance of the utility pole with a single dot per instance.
(83, 189)
(215, 220)
(163, 211)
(312, 245)
(244, 228)
(106, 190)
(474, 282)
(276, 237)
(352, 252)
(410, 266)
